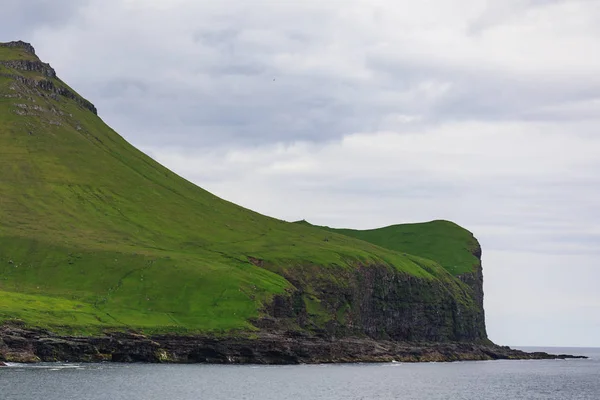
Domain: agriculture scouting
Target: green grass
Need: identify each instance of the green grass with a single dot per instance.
(15, 53)
(96, 235)
(442, 241)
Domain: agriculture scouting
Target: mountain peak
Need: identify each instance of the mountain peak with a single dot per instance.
(20, 44)
(34, 79)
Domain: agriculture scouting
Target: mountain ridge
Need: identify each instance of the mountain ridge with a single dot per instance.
(75, 188)
(99, 239)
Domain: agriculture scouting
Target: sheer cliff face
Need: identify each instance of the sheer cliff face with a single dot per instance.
(378, 302)
(475, 282)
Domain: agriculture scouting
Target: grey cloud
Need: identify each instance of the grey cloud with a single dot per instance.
(488, 95)
(119, 86)
(254, 104)
(237, 90)
(240, 69)
(252, 116)
(224, 37)
(497, 13)
(22, 17)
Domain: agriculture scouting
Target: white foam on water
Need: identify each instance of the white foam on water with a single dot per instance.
(52, 367)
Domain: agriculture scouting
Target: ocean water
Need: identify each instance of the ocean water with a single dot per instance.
(548, 380)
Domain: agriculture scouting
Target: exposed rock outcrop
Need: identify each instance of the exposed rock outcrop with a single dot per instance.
(50, 84)
(378, 302)
(30, 66)
(474, 280)
(22, 345)
(54, 90)
(20, 44)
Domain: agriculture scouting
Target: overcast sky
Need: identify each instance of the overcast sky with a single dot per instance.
(366, 113)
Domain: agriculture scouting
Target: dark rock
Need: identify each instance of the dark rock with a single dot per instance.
(30, 66)
(379, 302)
(475, 282)
(274, 348)
(53, 90)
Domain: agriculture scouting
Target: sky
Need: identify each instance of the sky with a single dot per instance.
(367, 113)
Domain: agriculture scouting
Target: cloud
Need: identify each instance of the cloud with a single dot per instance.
(23, 17)
(495, 14)
(257, 73)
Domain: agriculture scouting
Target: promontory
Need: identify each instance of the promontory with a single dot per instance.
(106, 255)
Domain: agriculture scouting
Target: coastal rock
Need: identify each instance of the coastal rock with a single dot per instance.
(375, 301)
(21, 345)
(474, 280)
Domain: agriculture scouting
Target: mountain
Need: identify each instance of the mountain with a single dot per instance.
(97, 239)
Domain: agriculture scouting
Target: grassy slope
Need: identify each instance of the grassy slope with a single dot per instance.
(15, 53)
(445, 242)
(94, 234)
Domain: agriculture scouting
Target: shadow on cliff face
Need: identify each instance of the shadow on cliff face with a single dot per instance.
(378, 302)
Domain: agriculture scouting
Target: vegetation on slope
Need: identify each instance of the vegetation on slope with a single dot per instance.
(445, 242)
(96, 235)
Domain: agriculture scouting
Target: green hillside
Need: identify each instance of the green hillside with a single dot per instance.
(452, 246)
(96, 235)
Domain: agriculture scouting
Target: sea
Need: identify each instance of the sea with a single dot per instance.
(472, 380)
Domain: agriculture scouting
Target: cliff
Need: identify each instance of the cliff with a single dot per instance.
(444, 242)
(378, 302)
(107, 255)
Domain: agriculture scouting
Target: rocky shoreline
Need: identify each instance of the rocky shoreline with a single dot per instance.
(22, 345)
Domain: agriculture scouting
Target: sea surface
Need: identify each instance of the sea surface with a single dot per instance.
(547, 379)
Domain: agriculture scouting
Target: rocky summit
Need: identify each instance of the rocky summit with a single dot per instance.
(107, 255)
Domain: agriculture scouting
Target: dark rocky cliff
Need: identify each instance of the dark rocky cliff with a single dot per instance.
(378, 302)
(383, 303)
(474, 280)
